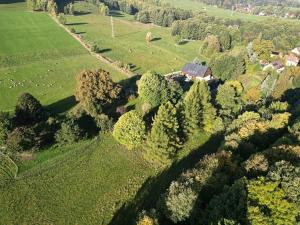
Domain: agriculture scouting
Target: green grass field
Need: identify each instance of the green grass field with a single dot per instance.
(219, 12)
(129, 45)
(83, 184)
(39, 57)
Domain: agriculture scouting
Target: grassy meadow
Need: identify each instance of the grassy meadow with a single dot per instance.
(39, 57)
(129, 45)
(81, 184)
(219, 12)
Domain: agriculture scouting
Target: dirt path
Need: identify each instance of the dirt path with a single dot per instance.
(88, 47)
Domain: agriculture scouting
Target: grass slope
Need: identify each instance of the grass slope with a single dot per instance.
(85, 184)
(130, 46)
(39, 57)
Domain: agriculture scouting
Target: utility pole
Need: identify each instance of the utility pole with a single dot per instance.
(112, 27)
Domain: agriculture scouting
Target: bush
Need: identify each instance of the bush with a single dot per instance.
(95, 48)
(5, 126)
(69, 132)
(28, 110)
(62, 18)
(104, 123)
(130, 129)
(147, 218)
(20, 139)
(72, 30)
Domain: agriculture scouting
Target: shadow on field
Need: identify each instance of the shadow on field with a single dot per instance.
(105, 50)
(156, 39)
(116, 14)
(10, 1)
(81, 32)
(81, 13)
(77, 24)
(62, 105)
(150, 192)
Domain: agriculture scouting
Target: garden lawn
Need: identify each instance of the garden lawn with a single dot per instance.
(129, 45)
(84, 184)
(39, 57)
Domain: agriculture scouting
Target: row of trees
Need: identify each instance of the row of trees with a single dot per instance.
(52, 6)
(162, 16)
(230, 31)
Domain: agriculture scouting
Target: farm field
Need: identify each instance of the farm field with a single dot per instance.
(129, 45)
(83, 184)
(39, 57)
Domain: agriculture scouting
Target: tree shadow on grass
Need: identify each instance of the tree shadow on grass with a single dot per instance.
(62, 105)
(77, 24)
(81, 13)
(156, 39)
(116, 14)
(105, 50)
(151, 190)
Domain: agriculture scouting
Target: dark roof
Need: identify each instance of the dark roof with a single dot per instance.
(194, 69)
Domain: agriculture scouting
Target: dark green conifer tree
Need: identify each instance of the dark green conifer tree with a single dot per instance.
(163, 141)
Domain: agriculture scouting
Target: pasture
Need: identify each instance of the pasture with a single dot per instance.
(39, 57)
(219, 12)
(129, 45)
(81, 184)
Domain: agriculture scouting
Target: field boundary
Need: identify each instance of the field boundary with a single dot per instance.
(103, 59)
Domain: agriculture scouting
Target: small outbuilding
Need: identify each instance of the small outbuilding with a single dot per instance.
(197, 71)
(292, 60)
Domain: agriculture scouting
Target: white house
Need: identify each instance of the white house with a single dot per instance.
(292, 60)
(296, 51)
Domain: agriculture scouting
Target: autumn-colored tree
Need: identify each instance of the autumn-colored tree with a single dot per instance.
(95, 89)
(210, 45)
(253, 95)
(163, 141)
(148, 37)
(130, 129)
(263, 48)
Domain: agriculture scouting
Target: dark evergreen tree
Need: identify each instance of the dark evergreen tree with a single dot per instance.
(163, 141)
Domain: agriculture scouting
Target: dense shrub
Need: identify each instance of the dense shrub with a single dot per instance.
(69, 132)
(62, 18)
(5, 126)
(104, 123)
(20, 139)
(130, 129)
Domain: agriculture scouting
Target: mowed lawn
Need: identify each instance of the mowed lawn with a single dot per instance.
(129, 45)
(84, 184)
(39, 57)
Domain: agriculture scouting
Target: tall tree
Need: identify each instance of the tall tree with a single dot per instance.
(95, 89)
(28, 109)
(199, 113)
(230, 98)
(163, 141)
(152, 88)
